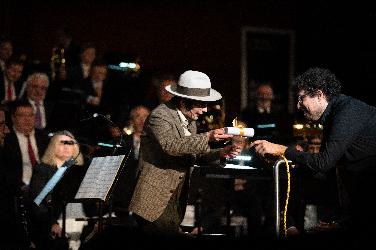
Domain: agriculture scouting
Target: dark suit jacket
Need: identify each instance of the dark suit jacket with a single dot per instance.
(166, 156)
(275, 126)
(12, 232)
(13, 156)
(107, 98)
(42, 217)
(17, 86)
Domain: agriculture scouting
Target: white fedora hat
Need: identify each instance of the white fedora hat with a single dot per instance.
(194, 85)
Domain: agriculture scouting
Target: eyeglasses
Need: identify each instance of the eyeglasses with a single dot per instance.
(39, 87)
(301, 98)
(67, 142)
(29, 115)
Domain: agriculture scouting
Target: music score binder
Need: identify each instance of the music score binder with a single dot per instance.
(100, 177)
(53, 181)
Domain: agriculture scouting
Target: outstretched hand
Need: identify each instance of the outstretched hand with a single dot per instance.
(267, 149)
(230, 151)
(218, 135)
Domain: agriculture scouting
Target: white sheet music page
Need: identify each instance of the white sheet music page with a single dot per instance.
(99, 177)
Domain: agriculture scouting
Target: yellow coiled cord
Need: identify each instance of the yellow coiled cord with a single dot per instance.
(287, 195)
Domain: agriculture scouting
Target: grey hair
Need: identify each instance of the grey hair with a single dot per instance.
(42, 75)
(29, 79)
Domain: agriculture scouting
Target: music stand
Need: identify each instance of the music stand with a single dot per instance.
(100, 179)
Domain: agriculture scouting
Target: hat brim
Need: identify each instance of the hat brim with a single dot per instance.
(214, 95)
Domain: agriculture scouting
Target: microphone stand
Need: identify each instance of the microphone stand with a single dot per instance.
(115, 145)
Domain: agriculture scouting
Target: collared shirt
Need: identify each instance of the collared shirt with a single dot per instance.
(6, 84)
(264, 110)
(42, 111)
(98, 85)
(136, 146)
(27, 170)
(184, 123)
(85, 70)
(2, 65)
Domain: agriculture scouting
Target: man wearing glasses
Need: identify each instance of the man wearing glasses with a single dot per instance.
(348, 143)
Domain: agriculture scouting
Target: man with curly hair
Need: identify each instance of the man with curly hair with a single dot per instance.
(348, 143)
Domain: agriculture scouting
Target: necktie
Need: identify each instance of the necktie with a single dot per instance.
(38, 116)
(30, 150)
(9, 92)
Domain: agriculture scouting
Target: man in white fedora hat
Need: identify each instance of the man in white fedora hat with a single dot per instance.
(170, 145)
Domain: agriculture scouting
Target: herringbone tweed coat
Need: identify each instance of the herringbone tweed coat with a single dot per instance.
(166, 155)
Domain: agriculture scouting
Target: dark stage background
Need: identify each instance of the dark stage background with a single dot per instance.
(174, 36)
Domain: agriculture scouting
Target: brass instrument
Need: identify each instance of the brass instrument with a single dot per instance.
(58, 70)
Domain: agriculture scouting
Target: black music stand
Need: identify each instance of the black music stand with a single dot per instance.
(229, 173)
(99, 181)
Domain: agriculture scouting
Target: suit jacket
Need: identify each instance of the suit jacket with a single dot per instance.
(42, 217)
(107, 98)
(17, 86)
(13, 156)
(275, 126)
(166, 156)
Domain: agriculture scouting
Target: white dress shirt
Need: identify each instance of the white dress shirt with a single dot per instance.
(184, 123)
(27, 170)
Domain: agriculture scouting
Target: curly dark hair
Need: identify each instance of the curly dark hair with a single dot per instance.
(315, 79)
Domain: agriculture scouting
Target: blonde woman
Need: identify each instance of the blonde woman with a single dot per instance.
(43, 219)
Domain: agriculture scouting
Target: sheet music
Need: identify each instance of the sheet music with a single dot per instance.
(99, 177)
